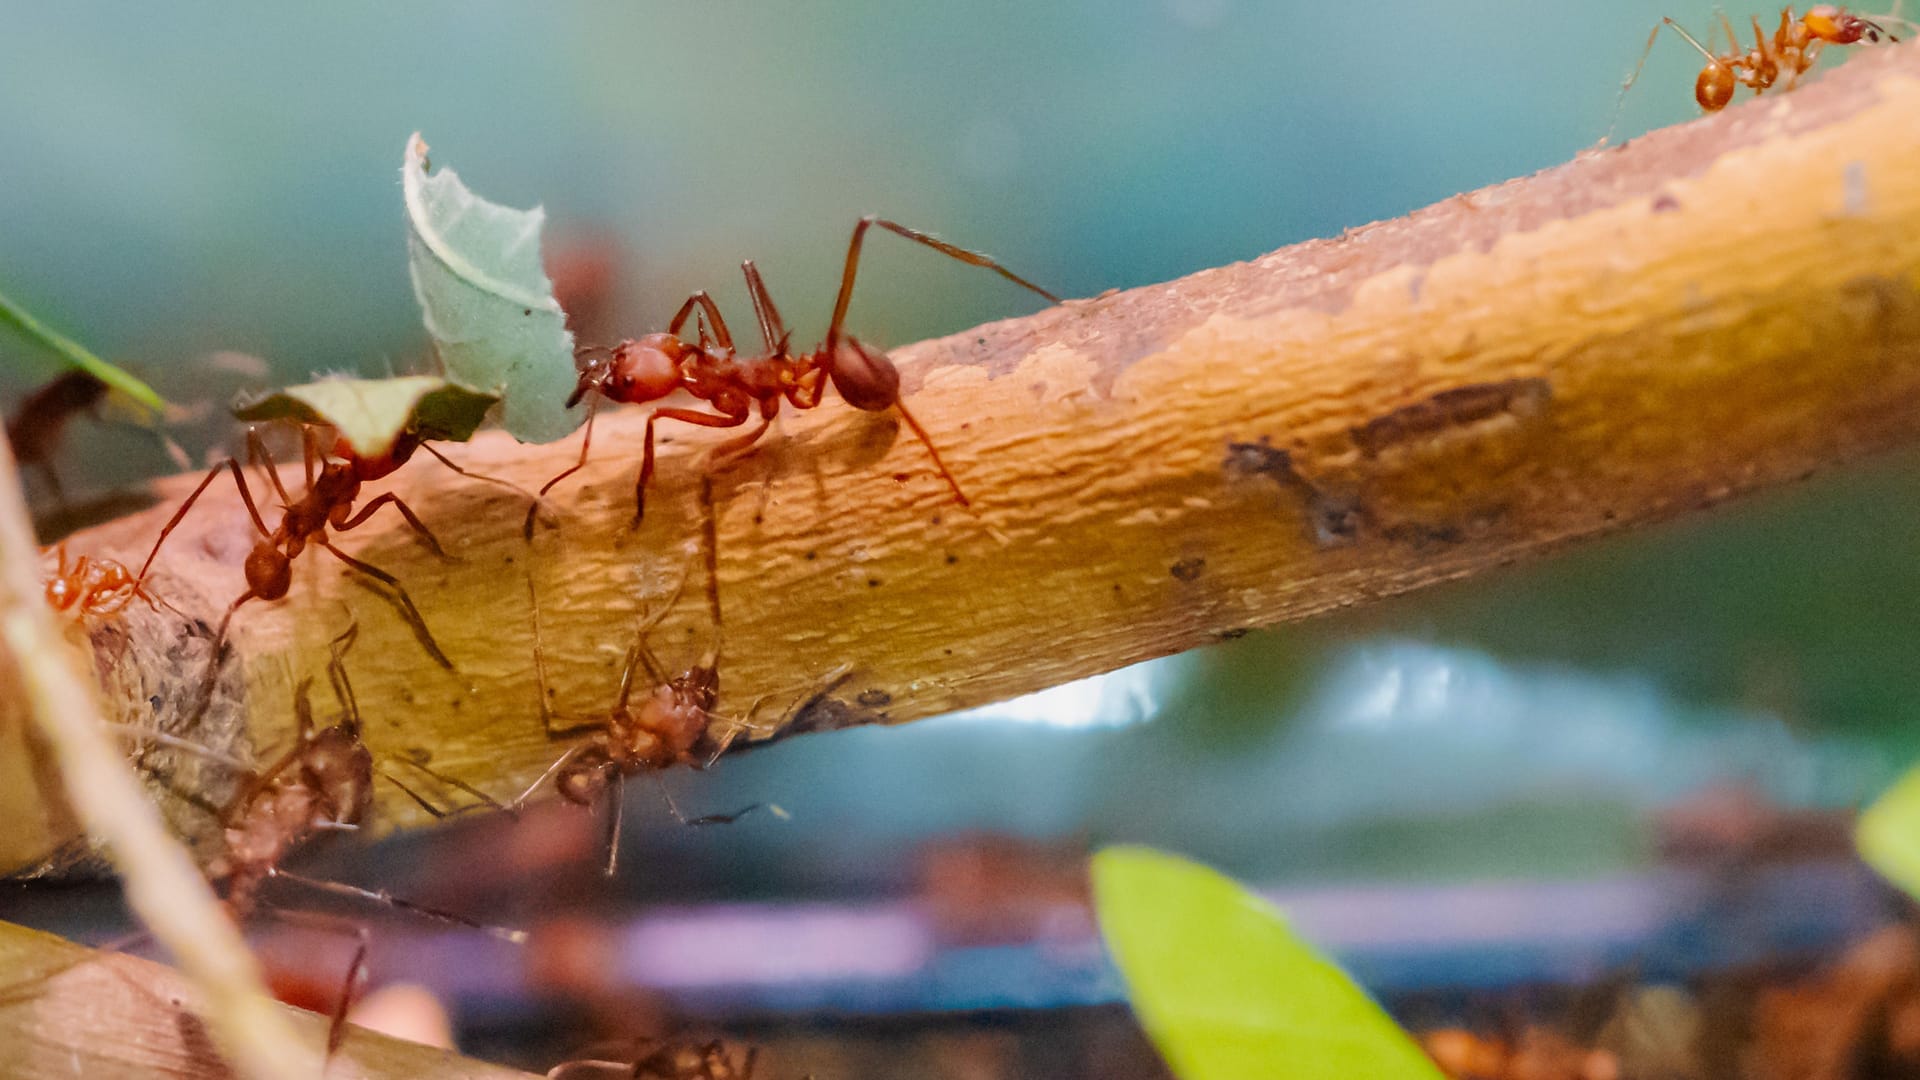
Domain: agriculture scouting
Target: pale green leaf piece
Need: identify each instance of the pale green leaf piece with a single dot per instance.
(76, 355)
(1888, 833)
(486, 299)
(370, 414)
(1224, 987)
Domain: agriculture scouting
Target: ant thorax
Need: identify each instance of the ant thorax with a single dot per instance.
(329, 783)
(667, 725)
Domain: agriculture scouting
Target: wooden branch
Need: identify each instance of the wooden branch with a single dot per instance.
(1644, 331)
(67, 1011)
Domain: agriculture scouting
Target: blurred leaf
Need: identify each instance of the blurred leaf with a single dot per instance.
(486, 300)
(371, 413)
(77, 355)
(1888, 834)
(1225, 989)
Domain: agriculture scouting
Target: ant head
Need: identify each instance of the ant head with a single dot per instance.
(644, 369)
(339, 769)
(1714, 88)
(585, 777)
(864, 376)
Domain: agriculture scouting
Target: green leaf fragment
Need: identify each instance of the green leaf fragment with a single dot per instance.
(370, 414)
(1888, 833)
(77, 355)
(1224, 987)
(486, 300)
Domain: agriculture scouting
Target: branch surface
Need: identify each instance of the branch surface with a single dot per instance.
(1639, 333)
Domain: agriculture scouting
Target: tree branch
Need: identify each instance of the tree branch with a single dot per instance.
(67, 1011)
(1644, 331)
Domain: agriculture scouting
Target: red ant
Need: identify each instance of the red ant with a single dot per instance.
(670, 725)
(672, 1061)
(328, 503)
(1794, 49)
(323, 782)
(654, 366)
(95, 586)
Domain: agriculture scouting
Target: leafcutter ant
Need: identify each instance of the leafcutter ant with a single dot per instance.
(670, 724)
(328, 503)
(1792, 51)
(323, 782)
(654, 366)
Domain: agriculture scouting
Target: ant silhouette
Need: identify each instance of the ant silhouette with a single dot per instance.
(1793, 50)
(671, 724)
(328, 503)
(670, 1061)
(653, 366)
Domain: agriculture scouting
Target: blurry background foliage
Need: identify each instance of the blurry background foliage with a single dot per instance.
(175, 184)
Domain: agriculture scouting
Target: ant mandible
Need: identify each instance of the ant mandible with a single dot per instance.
(653, 366)
(1794, 49)
(328, 503)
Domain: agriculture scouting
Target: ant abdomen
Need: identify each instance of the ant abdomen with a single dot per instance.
(269, 571)
(1714, 88)
(864, 376)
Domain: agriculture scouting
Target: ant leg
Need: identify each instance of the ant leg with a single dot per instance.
(586, 441)
(382, 896)
(685, 416)
(971, 258)
(617, 791)
(212, 677)
(337, 672)
(451, 781)
(547, 713)
(175, 742)
(933, 452)
(712, 310)
(508, 484)
(709, 819)
(411, 613)
(389, 498)
(187, 504)
(1620, 103)
(258, 457)
(356, 970)
(559, 763)
(773, 331)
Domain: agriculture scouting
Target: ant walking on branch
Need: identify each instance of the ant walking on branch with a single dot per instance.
(328, 503)
(92, 586)
(671, 723)
(322, 783)
(1793, 50)
(654, 366)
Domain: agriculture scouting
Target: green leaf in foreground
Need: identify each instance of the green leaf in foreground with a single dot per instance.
(77, 355)
(486, 300)
(1888, 833)
(371, 413)
(1225, 989)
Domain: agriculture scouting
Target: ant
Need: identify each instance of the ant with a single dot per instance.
(1794, 49)
(653, 366)
(672, 1061)
(323, 782)
(670, 724)
(35, 430)
(328, 503)
(95, 586)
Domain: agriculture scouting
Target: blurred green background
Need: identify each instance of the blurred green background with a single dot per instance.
(182, 181)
